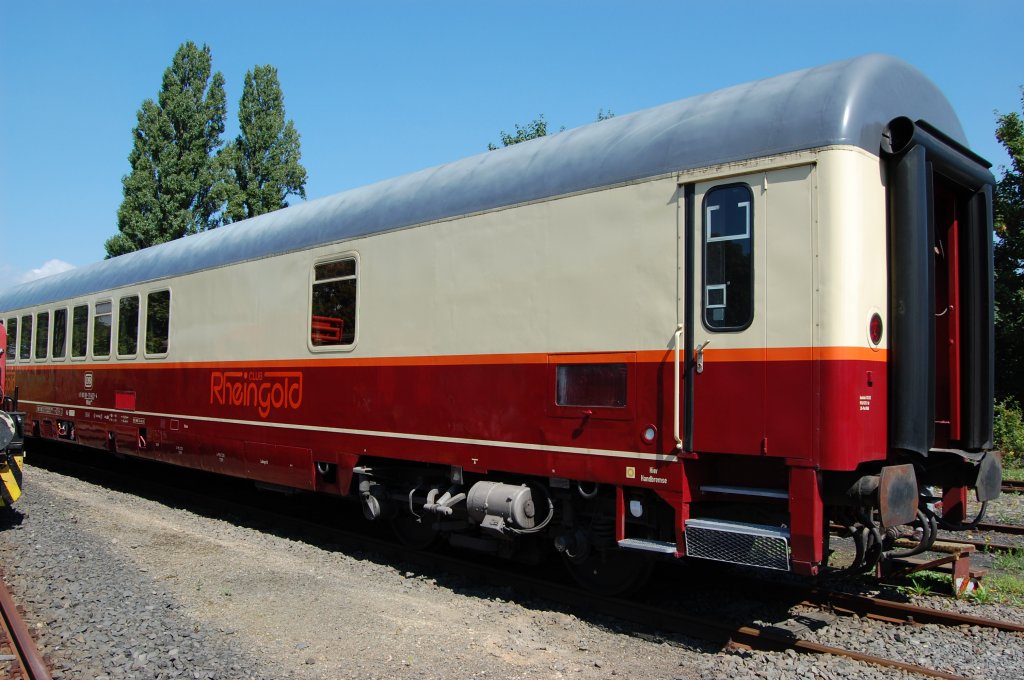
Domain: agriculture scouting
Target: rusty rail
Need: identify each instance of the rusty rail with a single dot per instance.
(901, 612)
(1009, 529)
(29, 659)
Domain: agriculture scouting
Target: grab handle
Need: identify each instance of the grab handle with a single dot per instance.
(675, 411)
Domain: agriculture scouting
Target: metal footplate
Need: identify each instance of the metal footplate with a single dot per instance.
(648, 545)
(755, 545)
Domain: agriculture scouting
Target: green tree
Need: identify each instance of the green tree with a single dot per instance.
(176, 185)
(263, 160)
(538, 127)
(1009, 260)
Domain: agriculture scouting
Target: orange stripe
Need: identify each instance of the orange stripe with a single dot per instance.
(797, 354)
(646, 356)
(602, 358)
(851, 354)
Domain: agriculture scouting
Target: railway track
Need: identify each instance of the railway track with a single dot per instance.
(1009, 529)
(990, 546)
(1013, 486)
(19, 655)
(660, 618)
(879, 608)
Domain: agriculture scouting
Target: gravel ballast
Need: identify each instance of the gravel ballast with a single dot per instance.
(117, 586)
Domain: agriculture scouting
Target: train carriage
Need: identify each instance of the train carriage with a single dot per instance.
(705, 330)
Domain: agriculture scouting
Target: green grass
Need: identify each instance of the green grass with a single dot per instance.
(1014, 473)
(1005, 582)
(925, 583)
(1012, 561)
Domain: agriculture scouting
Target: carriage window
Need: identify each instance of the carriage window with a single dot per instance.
(12, 338)
(25, 346)
(101, 329)
(158, 321)
(80, 331)
(42, 334)
(128, 326)
(591, 385)
(60, 333)
(333, 310)
(728, 258)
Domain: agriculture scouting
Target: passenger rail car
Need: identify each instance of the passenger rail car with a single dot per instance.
(705, 330)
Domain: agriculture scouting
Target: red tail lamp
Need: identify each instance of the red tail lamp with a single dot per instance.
(875, 328)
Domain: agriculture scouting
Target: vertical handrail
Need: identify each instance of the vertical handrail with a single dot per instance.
(675, 412)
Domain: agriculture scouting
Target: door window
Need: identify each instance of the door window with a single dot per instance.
(728, 290)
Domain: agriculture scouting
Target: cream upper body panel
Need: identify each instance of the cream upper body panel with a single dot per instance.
(598, 271)
(852, 281)
(590, 272)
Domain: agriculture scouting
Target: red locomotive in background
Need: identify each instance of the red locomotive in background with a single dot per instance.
(11, 440)
(704, 330)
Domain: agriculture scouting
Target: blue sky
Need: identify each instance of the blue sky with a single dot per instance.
(379, 89)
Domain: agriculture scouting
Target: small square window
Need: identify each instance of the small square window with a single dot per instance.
(715, 296)
(594, 385)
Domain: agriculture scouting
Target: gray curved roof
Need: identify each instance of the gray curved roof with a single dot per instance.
(847, 102)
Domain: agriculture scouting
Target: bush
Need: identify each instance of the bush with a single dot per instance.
(1008, 432)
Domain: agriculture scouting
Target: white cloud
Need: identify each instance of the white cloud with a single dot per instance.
(49, 268)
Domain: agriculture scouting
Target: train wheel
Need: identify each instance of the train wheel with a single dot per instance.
(611, 572)
(412, 532)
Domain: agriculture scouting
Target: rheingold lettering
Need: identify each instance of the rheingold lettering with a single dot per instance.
(266, 392)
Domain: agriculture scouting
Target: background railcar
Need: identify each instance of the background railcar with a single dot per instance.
(12, 456)
(704, 329)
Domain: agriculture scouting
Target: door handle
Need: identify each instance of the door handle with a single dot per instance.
(699, 355)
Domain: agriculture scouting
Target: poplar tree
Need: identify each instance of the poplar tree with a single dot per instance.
(177, 184)
(263, 161)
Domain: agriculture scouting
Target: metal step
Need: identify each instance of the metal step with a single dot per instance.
(648, 545)
(755, 545)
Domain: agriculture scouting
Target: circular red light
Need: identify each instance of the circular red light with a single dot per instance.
(875, 329)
